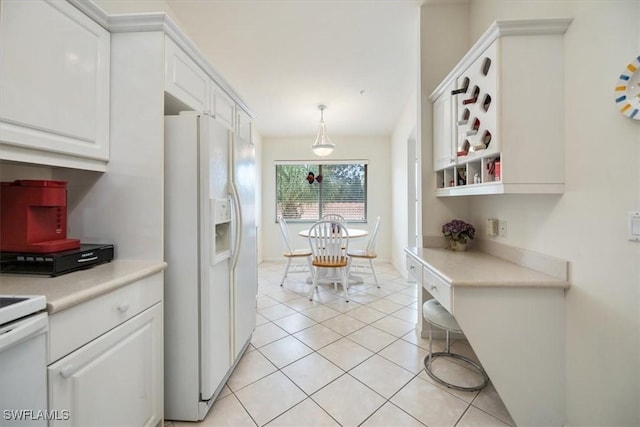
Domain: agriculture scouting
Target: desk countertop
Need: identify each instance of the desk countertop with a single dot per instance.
(475, 268)
(73, 288)
(513, 316)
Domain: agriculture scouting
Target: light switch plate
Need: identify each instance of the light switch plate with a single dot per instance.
(502, 229)
(634, 226)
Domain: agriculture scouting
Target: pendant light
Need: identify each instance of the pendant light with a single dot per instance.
(323, 145)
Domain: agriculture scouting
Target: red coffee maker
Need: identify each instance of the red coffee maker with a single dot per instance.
(33, 217)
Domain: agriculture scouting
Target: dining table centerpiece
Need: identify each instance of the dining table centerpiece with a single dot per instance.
(457, 233)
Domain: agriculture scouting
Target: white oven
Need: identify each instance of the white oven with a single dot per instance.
(23, 361)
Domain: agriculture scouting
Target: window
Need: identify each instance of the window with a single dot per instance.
(305, 192)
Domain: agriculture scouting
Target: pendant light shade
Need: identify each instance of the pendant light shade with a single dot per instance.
(323, 145)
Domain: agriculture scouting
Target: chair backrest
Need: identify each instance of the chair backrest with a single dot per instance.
(328, 240)
(371, 246)
(333, 217)
(284, 230)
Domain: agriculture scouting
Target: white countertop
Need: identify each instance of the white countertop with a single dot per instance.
(475, 268)
(73, 288)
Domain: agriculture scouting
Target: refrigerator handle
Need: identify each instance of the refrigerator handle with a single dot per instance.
(238, 224)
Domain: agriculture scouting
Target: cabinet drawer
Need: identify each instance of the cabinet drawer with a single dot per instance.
(438, 288)
(414, 269)
(77, 325)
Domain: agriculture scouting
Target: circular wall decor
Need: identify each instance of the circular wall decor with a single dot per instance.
(628, 90)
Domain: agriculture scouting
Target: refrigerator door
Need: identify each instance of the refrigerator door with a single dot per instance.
(244, 260)
(215, 296)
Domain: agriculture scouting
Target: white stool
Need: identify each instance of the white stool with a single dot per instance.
(436, 315)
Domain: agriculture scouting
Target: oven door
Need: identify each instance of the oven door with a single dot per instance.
(23, 369)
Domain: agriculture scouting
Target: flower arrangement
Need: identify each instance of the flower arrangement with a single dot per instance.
(458, 231)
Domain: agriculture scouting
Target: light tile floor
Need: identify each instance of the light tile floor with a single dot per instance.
(333, 363)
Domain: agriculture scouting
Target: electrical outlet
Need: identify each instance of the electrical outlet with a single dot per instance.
(492, 227)
(502, 229)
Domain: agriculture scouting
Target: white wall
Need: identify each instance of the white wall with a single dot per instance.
(374, 149)
(444, 39)
(587, 224)
(403, 135)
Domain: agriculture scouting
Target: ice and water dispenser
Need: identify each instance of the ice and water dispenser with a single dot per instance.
(221, 247)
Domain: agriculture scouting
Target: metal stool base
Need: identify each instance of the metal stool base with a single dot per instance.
(431, 356)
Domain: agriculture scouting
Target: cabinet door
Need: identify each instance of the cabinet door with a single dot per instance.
(222, 106)
(54, 80)
(444, 130)
(184, 79)
(115, 379)
(243, 125)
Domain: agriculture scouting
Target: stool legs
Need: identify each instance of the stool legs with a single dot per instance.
(447, 353)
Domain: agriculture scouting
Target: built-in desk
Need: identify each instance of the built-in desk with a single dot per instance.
(513, 317)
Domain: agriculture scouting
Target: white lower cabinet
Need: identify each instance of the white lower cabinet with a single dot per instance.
(116, 378)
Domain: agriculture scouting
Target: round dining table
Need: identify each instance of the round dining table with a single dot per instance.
(354, 233)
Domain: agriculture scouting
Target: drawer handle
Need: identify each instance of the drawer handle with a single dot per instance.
(433, 288)
(122, 308)
(66, 371)
(412, 267)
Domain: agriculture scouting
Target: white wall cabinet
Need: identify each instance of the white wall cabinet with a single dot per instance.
(54, 80)
(221, 106)
(115, 377)
(444, 131)
(184, 79)
(243, 125)
(505, 129)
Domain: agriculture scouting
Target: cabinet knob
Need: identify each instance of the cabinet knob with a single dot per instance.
(122, 308)
(412, 267)
(66, 371)
(433, 288)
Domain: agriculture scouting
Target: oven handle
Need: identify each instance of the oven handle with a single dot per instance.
(14, 334)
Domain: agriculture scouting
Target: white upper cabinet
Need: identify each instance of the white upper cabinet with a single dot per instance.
(444, 132)
(498, 117)
(243, 126)
(54, 81)
(184, 79)
(221, 106)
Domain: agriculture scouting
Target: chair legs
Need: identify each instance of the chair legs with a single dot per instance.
(314, 284)
(286, 271)
(310, 265)
(373, 271)
(345, 283)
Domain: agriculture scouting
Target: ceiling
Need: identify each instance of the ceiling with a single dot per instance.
(285, 57)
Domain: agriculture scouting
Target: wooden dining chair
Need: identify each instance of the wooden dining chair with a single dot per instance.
(295, 257)
(369, 253)
(329, 242)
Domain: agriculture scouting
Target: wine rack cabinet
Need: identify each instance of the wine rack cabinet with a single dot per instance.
(498, 116)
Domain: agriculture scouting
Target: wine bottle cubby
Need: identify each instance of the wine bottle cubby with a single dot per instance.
(503, 104)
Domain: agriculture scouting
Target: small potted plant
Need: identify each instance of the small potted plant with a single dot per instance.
(457, 233)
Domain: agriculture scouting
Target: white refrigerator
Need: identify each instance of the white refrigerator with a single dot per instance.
(210, 249)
